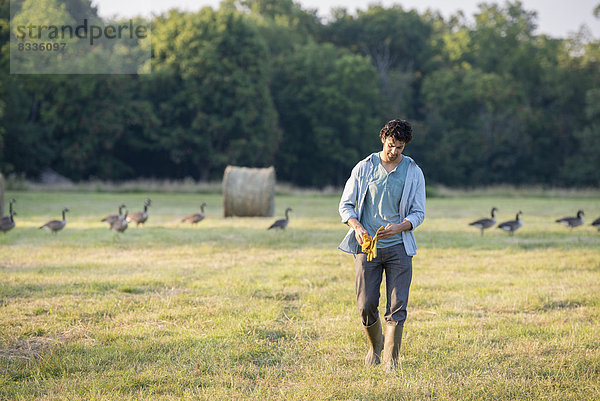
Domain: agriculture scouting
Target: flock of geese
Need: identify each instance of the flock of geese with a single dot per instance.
(120, 221)
(511, 226)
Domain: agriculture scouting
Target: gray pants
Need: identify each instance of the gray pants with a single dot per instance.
(397, 266)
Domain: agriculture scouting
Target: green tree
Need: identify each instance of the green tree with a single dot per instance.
(283, 24)
(398, 45)
(547, 79)
(583, 167)
(473, 133)
(502, 40)
(326, 98)
(97, 125)
(26, 146)
(4, 39)
(214, 63)
(284, 13)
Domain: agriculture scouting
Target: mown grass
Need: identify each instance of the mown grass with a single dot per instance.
(228, 310)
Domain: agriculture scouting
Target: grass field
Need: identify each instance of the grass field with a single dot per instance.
(228, 310)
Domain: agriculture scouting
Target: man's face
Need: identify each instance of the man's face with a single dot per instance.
(392, 149)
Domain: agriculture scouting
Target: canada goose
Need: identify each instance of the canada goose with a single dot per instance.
(512, 225)
(7, 223)
(482, 224)
(120, 224)
(140, 217)
(56, 225)
(572, 221)
(282, 223)
(596, 223)
(6, 220)
(114, 217)
(196, 217)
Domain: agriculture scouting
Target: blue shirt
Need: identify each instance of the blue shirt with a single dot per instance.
(411, 207)
(382, 199)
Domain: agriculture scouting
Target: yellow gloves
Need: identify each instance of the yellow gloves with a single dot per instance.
(369, 245)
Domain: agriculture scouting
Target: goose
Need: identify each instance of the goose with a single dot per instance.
(482, 224)
(56, 225)
(7, 223)
(596, 223)
(512, 225)
(120, 224)
(140, 217)
(196, 217)
(7, 219)
(114, 217)
(572, 221)
(282, 223)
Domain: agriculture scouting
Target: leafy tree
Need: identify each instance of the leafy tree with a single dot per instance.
(4, 39)
(2, 109)
(283, 24)
(502, 40)
(547, 85)
(473, 131)
(398, 44)
(582, 168)
(284, 13)
(326, 98)
(71, 123)
(262, 82)
(26, 144)
(214, 63)
(96, 123)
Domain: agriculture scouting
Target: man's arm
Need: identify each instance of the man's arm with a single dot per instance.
(349, 200)
(392, 229)
(359, 230)
(348, 205)
(416, 212)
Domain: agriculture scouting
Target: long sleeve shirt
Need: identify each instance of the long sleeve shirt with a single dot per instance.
(411, 206)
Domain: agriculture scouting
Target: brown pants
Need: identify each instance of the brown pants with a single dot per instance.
(397, 266)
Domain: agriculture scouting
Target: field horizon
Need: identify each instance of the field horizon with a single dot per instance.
(229, 310)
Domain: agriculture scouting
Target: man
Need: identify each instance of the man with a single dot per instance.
(385, 189)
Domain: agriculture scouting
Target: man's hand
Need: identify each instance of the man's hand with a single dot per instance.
(392, 229)
(359, 230)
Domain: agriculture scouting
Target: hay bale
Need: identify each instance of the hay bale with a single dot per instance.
(249, 192)
(1, 195)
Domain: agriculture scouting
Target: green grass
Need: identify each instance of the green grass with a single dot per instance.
(228, 310)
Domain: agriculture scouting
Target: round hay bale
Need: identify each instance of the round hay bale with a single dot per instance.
(248, 192)
(1, 195)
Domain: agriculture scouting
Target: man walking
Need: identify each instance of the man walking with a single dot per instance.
(386, 189)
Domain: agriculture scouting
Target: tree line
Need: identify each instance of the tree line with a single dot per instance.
(267, 82)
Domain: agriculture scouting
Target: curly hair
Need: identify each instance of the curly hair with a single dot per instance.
(400, 130)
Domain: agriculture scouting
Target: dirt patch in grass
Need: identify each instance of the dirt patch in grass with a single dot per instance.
(28, 349)
(32, 348)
